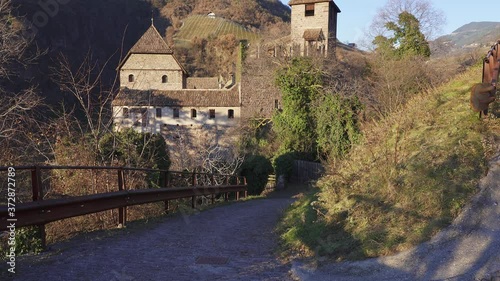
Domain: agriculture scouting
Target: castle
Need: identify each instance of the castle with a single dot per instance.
(156, 92)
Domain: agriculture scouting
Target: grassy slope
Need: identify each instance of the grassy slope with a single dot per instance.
(410, 177)
(202, 26)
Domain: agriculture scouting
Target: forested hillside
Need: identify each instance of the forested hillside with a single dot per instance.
(106, 29)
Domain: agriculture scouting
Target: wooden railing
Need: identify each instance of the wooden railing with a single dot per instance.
(171, 185)
(491, 64)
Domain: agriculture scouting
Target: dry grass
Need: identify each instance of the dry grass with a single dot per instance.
(410, 177)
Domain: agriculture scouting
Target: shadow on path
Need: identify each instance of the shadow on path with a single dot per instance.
(234, 242)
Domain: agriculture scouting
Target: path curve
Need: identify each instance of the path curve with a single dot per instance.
(469, 249)
(234, 242)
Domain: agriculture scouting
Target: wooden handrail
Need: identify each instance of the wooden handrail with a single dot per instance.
(40, 212)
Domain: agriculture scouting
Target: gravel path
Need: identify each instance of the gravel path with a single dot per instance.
(467, 250)
(234, 242)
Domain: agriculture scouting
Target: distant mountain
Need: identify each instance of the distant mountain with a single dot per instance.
(470, 36)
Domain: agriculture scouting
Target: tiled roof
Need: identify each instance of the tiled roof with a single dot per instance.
(180, 98)
(151, 43)
(314, 34)
(203, 83)
(298, 2)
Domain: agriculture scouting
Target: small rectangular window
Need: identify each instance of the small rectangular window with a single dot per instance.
(176, 113)
(211, 113)
(309, 10)
(158, 113)
(230, 114)
(125, 113)
(193, 113)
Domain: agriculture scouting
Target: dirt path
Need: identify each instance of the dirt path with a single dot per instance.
(467, 250)
(234, 242)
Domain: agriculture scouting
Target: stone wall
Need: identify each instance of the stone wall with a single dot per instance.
(145, 118)
(259, 95)
(148, 70)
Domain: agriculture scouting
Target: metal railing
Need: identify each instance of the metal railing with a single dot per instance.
(491, 65)
(170, 185)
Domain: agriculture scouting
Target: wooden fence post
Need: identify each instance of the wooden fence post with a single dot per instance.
(245, 183)
(166, 183)
(237, 192)
(37, 194)
(226, 194)
(122, 211)
(195, 183)
(212, 183)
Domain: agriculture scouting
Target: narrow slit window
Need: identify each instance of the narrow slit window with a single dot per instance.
(230, 114)
(309, 10)
(176, 113)
(211, 113)
(193, 113)
(164, 79)
(131, 78)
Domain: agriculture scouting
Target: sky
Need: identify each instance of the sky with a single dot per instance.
(357, 15)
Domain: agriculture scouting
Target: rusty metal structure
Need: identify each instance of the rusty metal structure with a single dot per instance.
(491, 64)
(173, 185)
(485, 93)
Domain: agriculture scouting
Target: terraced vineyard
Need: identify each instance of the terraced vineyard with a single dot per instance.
(202, 26)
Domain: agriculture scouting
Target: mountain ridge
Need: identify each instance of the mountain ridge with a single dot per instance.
(467, 37)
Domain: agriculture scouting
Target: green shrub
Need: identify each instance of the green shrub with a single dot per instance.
(27, 241)
(283, 164)
(135, 149)
(256, 169)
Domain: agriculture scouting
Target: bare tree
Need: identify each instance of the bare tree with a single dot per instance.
(17, 103)
(221, 160)
(431, 20)
(85, 84)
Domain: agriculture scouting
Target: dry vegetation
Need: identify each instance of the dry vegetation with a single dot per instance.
(410, 177)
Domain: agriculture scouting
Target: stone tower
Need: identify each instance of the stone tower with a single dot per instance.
(151, 65)
(314, 27)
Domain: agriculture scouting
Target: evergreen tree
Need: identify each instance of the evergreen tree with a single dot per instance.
(407, 39)
(300, 83)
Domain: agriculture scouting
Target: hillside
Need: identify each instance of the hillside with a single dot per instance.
(202, 26)
(107, 29)
(468, 37)
(409, 178)
(249, 13)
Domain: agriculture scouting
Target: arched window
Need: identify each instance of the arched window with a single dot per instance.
(164, 79)
(131, 78)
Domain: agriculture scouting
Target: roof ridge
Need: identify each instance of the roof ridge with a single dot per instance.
(151, 42)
